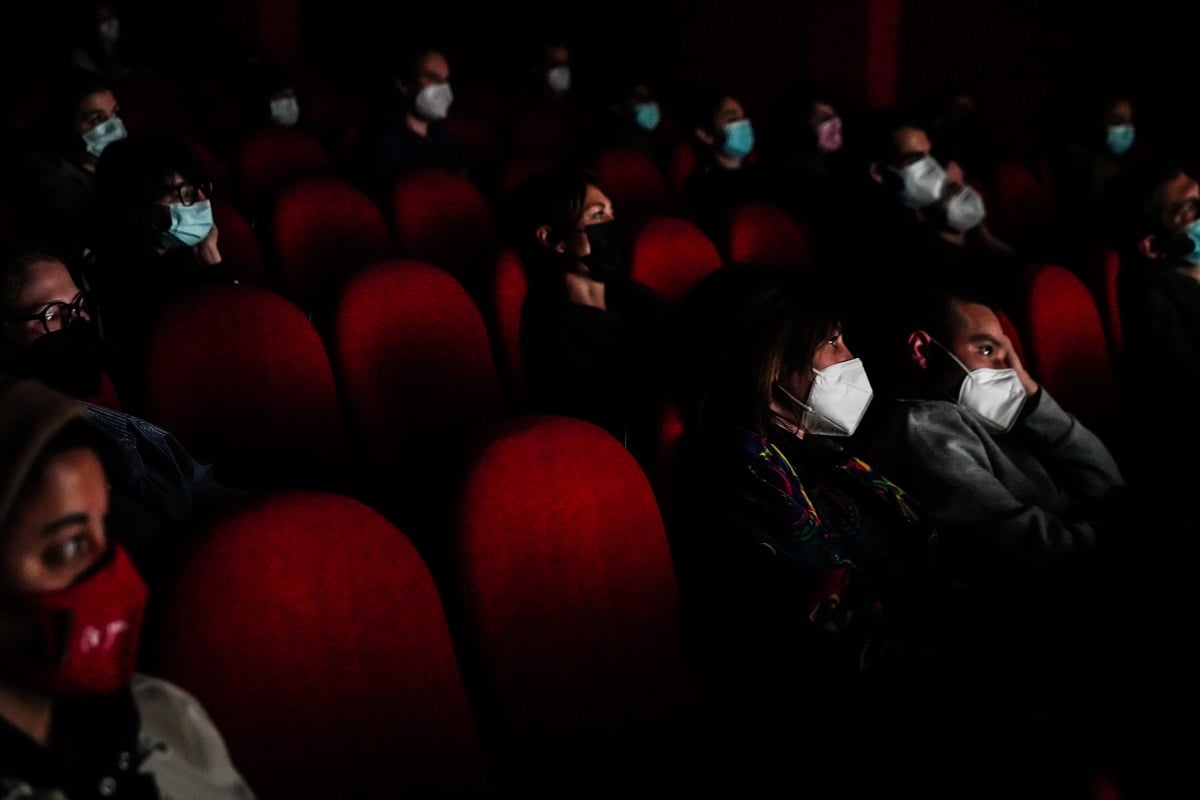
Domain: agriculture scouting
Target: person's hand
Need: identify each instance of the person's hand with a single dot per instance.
(1014, 361)
(207, 252)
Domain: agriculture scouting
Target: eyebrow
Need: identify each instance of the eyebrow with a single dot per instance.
(65, 522)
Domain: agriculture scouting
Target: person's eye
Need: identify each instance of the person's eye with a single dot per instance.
(51, 313)
(67, 552)
(987, 349)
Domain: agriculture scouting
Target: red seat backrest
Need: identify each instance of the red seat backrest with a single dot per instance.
(762, 233)
(323, 231)
(1020, 206)
(1105, 270)
(416, 370)
(683, 162)
(635, 184)
(239, 246)
(311, 631)
(509, 297)
(572, 606)
(483, 145)
(441, 218)
(1067, 347)
(271, 158)
(671, 255)
(240, 375)
(542, 132)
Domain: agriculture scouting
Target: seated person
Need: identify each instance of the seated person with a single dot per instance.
(405, 131)
(101, 48)
(55, 182)
(722, 137)
(75, 716)
(927, 223)
(269, 95)
(1155, 216)
(156, 484)
(632, 121)
(956, 126)
(592, 339)
(156, 239)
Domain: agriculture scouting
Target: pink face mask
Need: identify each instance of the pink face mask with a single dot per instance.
(829, 135)
(88, 632)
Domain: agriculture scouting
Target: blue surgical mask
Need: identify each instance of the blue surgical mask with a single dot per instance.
(647, 115)
(189, 224)
(1120, 138)
(1193, 232)
(104, 134)
(739, 139)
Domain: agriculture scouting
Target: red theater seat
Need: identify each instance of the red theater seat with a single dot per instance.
(1019, 205)
(441, 218)
(763, 233)
(541, 132)
(239, 246)
(324, 230)
(271, 158)
(671, 255)
(509, 297)
(312, 632)
(418, 378)
(241, 377)
(572, 608)
(1105, 269)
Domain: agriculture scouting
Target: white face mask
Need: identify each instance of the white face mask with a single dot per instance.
(433, 102)
(109, 31)
(285, 111)
(965, 210)
(924, 181)
(837, 401)
(996, 396)
(104, 134)
(559, 78)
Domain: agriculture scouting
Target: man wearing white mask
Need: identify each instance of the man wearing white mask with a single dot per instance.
(1021, 491)
(930, 223)
(406, 133)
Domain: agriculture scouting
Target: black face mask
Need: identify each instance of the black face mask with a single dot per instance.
(609, 256)
(71, 360)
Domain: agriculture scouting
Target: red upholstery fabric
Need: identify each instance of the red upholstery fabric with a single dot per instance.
(1067, 347)
(241, 377)
(683, 161)
(313, 634)
(441, 218)
(509, 297)
(271, 158)
(517, 170)
(416, 368)
(671, 255)
(1106, 267)
(1014, 335)
(572, 604)
(154, 103)
(1020, 206)
(542, 132)
(323, 231)
(763, 233)
(483, 145)
(239, 246)
(634, 182)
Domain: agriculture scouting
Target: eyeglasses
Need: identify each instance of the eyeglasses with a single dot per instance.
(52, 312)
(186, 193)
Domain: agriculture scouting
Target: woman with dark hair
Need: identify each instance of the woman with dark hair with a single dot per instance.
(75, 719)
(723, 140)
(591, 338)
(156, 237)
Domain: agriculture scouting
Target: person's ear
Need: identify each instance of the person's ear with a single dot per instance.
(875, 169)
(706, 137)
(548, 240)
(1151, 248)
(919, 343)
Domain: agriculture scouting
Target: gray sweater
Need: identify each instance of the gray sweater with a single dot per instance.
(1018, 505)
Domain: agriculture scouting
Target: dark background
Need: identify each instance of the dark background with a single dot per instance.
(1020, 58)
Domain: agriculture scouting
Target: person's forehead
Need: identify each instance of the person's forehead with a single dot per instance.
(910, 140)
(48, 282)
(1175, 190)
(558, 54)
(435, 64)
(975, 319)
(594, 196)
(103, 101)
(730, 109)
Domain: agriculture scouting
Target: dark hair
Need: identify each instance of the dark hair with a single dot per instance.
(1132, 205)
(15, 268)
(68, 91)
(878, 134)
(751, 327)
(553, 198)
(794, 110)
(701, 104)
(132, 175)
(405, 66)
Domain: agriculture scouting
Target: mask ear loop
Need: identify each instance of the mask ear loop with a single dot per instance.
(961, 365)
(794, 427)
